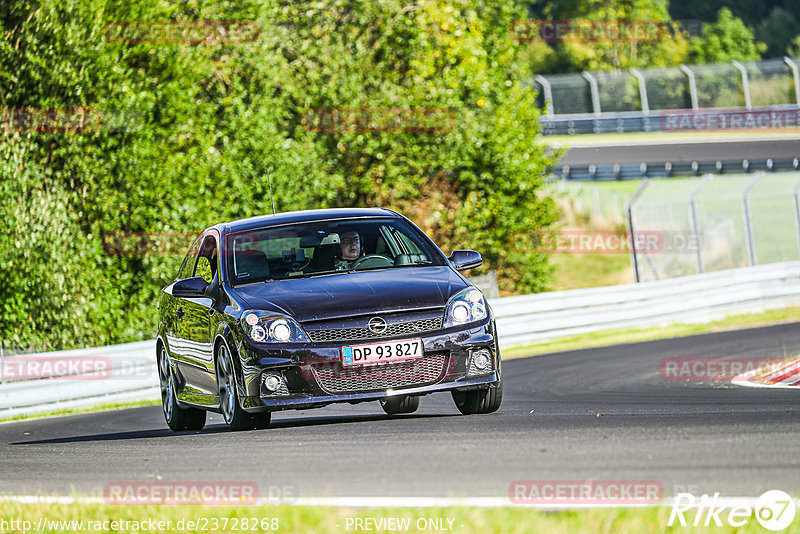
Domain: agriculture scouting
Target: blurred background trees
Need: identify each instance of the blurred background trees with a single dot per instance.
(731, 30)
(190, 128)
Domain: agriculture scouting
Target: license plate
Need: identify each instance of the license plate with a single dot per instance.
(387, 351)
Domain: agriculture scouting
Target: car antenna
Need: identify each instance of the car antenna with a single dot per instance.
(270, 192)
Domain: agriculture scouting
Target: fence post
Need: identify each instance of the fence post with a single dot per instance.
(548, 93)
(797, 213)
(595, 92)
(629, 223)
(694, 220)
(692, 85)
(748, 224)
(642, 90)
(745, 84)
(796, 75)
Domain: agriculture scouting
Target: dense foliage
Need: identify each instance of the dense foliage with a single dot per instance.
(668, 48)
(776, 22)
(727, 39)
(726, 34)
(190, 126)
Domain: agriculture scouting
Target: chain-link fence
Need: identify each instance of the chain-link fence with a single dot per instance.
(601, 207)
(713, 223)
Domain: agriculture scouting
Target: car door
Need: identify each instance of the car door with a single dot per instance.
(195, 330)
(170, 305)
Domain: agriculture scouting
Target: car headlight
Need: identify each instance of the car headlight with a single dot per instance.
(268, 327)
(465, 307)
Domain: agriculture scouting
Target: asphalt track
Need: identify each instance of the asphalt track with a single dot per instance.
(656, 152)
(600, 414)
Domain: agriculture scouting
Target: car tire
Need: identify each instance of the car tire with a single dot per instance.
(232, 413)
(481, 400)
(478, 401)
(177, 418)
(400, 404)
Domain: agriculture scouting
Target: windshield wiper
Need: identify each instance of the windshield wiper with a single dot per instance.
(301, 274)
(414, 263)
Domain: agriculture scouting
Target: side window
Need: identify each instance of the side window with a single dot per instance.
(406, 242)
(187, 267)
(381, 247)
(207, 261)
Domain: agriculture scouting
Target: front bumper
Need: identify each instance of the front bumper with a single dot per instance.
(312, 374)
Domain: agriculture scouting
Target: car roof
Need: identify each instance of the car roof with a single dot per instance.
(289, 217)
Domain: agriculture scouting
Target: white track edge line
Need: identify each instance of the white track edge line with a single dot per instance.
(397, 502)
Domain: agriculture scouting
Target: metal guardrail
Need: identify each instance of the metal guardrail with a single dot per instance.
(677, 120)
(689, 299)
(520, 320)
(669, 169)
(130, 375)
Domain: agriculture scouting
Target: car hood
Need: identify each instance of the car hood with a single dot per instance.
(348, 294)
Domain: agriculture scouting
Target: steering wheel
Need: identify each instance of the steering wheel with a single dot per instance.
(377, 259)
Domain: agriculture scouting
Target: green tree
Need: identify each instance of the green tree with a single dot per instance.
(794, 47)
(727, 39)
(472, 182)
(666, 47)
(190, 129)
(777, 30)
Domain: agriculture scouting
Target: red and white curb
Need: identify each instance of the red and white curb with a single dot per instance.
(785, 374)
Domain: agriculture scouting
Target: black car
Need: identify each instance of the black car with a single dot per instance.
(303, 309)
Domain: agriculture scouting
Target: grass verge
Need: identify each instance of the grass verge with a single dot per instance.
(302, 519)
(97, 408)
(632, 335)
(576, 271)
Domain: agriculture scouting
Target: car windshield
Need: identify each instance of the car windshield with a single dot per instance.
(326, 247)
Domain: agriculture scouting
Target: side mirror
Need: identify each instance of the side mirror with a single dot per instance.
(465, 259)
(190, 287)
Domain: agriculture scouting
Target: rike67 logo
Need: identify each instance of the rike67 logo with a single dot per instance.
(774, 510)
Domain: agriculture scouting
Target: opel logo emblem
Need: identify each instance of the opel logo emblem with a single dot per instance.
(377, 325)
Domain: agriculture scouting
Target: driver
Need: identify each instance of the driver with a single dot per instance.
(350, 244)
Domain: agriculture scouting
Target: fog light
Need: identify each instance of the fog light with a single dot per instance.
(482, 360)
(272, 383)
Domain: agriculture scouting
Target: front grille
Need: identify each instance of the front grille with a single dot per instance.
(335, 378)
(392, 330)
